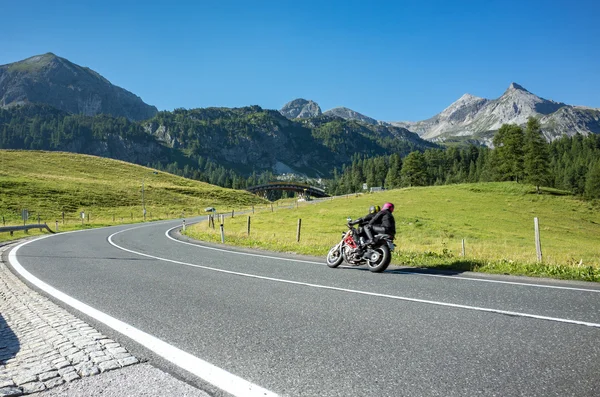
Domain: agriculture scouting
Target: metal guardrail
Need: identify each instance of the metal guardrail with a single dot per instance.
(12, 229)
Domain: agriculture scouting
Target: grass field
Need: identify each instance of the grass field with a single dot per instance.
(107, 191)
(494, 219)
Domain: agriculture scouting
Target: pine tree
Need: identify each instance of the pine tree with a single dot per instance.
(414, 170)
(537, 160)
(392, 179)
(509, 152)
(592, 182)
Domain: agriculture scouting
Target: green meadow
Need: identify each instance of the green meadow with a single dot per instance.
(495, 220)
(107, 191)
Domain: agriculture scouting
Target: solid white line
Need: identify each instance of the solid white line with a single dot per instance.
(399, 271)
(237, 252)
(482, 309)
(499, 281)
(218, 377)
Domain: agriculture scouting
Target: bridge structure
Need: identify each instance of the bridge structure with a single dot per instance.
(304, 191)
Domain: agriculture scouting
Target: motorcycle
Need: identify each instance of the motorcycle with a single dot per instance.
(377, 256)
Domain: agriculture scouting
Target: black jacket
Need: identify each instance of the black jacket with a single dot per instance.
(386, 219)
(364, 220)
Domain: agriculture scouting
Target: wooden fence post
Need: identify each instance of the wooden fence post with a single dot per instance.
(463, 247)
(232, 213)
(248, 225)
(298, 230)
(271, 207)
(63, 215)
(538, 244)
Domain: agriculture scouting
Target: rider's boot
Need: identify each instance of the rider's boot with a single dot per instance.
(369, 239)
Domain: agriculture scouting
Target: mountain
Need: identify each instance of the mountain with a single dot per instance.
(349, 114)
(43, 127)
(55, 81)
(49, 103)
(300, 109)
(254, 139)
(212, 141)
(475, 118)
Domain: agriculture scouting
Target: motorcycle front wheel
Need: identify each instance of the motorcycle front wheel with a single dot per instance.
(383, 260)
(334, 257)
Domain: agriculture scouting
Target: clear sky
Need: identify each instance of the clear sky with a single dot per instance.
(390, 60)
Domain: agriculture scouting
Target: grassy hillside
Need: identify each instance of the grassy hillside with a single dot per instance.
(108, 191)
(495, 219)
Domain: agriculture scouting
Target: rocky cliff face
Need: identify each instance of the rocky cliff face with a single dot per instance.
(300, 109)
(479, 118)
(349, 114)
(48, 79)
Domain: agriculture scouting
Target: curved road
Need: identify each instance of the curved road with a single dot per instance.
(256, 323)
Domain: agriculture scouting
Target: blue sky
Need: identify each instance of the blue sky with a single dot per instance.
(390, 60)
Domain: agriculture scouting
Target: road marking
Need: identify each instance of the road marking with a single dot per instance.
(402, 298)
(398, 271)
(216, 376)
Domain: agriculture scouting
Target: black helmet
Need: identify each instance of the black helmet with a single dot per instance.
(374, 209)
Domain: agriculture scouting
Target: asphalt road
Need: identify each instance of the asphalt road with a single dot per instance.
(291, 326)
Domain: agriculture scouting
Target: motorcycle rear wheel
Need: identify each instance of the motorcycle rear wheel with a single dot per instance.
(385, 257)
(335, 257)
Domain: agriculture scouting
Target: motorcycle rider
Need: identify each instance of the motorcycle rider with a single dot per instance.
(382, 223)
(361, 222)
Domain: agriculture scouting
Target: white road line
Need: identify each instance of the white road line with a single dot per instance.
(482, 309)
(398, 271)
(218, 377)
(499, 281)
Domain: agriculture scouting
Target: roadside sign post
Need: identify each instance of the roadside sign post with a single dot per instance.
(24, 216)
(82, 217)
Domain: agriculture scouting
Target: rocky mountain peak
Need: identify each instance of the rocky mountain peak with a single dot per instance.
(300, 109)
(471, 116)
(515, 86)
(55, 81)
(349, 114)
(466, 97)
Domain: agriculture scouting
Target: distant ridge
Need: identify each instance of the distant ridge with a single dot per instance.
(478, 118)
(55, 81)
(349, 114)
(300, 109)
